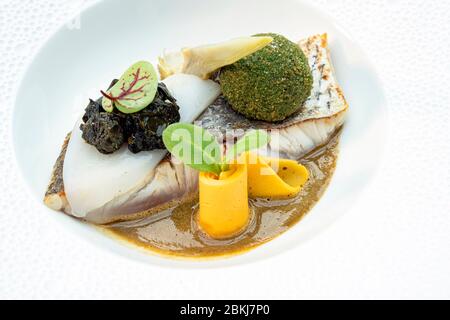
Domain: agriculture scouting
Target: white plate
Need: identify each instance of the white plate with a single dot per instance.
(75, 63)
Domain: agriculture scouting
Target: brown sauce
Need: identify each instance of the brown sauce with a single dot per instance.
(174, 231)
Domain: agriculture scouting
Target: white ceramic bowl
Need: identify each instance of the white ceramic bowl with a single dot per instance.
(80, 59)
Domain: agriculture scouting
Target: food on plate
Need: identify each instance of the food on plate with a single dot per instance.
(102, 188)
(103, 130)
(131, 161)
(134, 91)
(257, 85)
(284, 176)
(142, 130)
(223, 192)
(202, 61)
(223, 202)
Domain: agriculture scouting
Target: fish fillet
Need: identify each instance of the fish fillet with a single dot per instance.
(171, 182)
(93, 179)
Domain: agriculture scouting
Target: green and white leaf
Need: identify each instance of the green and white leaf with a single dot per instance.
(194, 146)
(135, 89)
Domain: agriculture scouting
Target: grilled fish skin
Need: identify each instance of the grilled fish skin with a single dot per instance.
(55, 197)
(171, 182)
(313, 125)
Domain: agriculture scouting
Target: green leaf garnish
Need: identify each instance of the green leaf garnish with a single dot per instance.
(198, 149)
(194, 146)
(134, 91)
(254, 139)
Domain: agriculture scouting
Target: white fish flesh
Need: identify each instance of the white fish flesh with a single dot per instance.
(92, 179)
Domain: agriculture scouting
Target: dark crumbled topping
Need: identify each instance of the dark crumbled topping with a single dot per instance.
(102, 129)
(108, 131)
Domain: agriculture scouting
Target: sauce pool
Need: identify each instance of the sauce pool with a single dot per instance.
(174, 231)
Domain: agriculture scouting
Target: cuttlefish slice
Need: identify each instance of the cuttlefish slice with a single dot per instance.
(202, 61)
(171, 182)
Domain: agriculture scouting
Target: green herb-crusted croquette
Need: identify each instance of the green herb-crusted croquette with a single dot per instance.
(270, 84)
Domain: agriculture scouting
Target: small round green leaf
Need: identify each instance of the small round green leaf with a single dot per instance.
(135, 89)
